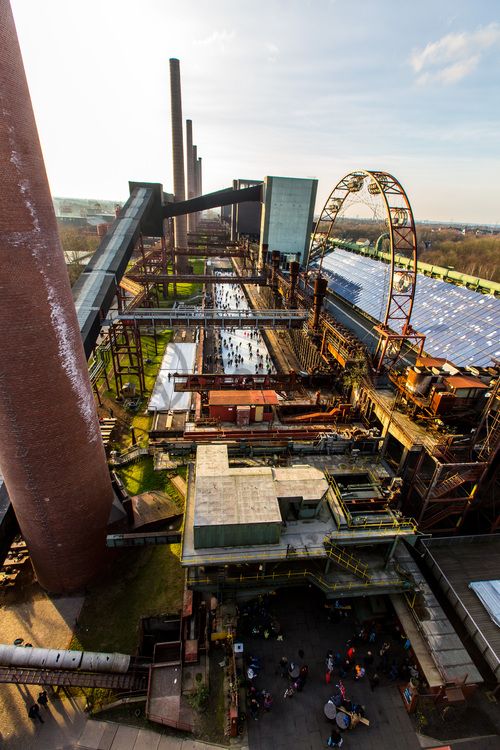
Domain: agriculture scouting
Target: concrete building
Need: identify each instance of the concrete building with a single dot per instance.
(246, 217)
(270, 526)
(287, 216)
(242, 407)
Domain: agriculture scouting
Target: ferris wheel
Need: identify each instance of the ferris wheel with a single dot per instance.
(378, 197)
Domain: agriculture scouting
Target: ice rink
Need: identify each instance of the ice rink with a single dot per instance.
(243, 351)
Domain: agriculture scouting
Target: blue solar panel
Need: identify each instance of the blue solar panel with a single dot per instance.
(459, 324)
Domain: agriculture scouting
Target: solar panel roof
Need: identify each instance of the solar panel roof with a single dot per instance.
(459, 324)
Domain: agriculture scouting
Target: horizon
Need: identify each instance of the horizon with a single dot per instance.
(331, 90)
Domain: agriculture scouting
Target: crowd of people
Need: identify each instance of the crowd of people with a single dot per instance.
(238, 351)
(374, 651)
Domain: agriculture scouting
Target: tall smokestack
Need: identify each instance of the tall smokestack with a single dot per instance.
(180, 222)
(51, 451)
(190, 172)
(195, 178)
(200, 183)
(195, 173)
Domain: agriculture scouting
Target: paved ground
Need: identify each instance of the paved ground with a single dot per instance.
(299, 722)
(105, 735)
(42, 621)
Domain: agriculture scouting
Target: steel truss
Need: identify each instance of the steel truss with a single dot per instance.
(395, 329)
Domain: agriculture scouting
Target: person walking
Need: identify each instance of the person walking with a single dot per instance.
(254, 708)
(43, 699)
(283, 666)
(34, 713)
(374, 681)
(368, 660)
(335, 739)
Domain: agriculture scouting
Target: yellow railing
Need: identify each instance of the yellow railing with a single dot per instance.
(403, 525)
(205, 557)
(345, 559)
(300, 574)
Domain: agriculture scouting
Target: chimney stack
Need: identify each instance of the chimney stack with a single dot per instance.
(200, 183)
(190, 172)
(180, 222)
(51, 451)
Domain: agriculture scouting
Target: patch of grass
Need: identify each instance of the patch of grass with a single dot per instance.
(141, 477)
(137, 583)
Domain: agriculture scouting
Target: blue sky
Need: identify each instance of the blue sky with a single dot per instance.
(302, 88)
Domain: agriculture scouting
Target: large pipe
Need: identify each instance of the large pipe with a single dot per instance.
(180, 222)
(51, 452)
(190, 172)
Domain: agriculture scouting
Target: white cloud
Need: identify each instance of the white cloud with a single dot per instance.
(217, 37)
(272, 52)
(454, 56)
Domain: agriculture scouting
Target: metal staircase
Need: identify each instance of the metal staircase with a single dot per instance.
(451, 482)
(346, 561)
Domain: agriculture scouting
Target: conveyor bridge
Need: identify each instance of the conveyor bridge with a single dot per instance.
(181, 278)
(196, 316)
(67, 678)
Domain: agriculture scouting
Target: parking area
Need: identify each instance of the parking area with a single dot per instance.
(299, 721)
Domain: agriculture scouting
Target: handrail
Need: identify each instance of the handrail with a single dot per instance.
(331, 586)
(391, 522)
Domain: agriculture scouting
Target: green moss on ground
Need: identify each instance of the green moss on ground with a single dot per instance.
(137, 583)
(141, 477)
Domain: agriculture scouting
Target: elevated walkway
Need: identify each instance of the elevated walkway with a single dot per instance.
(67, 678)
(180, 278)
(196, 316)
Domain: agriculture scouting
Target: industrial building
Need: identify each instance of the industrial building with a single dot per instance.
(334, 409)
(287, 216)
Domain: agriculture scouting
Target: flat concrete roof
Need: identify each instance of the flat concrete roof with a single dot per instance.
(225, 496)
(300, 481)
(306, 537)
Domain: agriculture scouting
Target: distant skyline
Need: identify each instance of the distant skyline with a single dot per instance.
(300, 88)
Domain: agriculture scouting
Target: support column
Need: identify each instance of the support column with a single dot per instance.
(391, 552)
(51, 451)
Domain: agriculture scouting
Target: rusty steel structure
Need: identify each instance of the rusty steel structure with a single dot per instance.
(395, 329)
(51, 451)
(209, 381)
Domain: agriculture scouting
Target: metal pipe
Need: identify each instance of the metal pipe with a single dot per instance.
(180, 222)
(51, 451)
